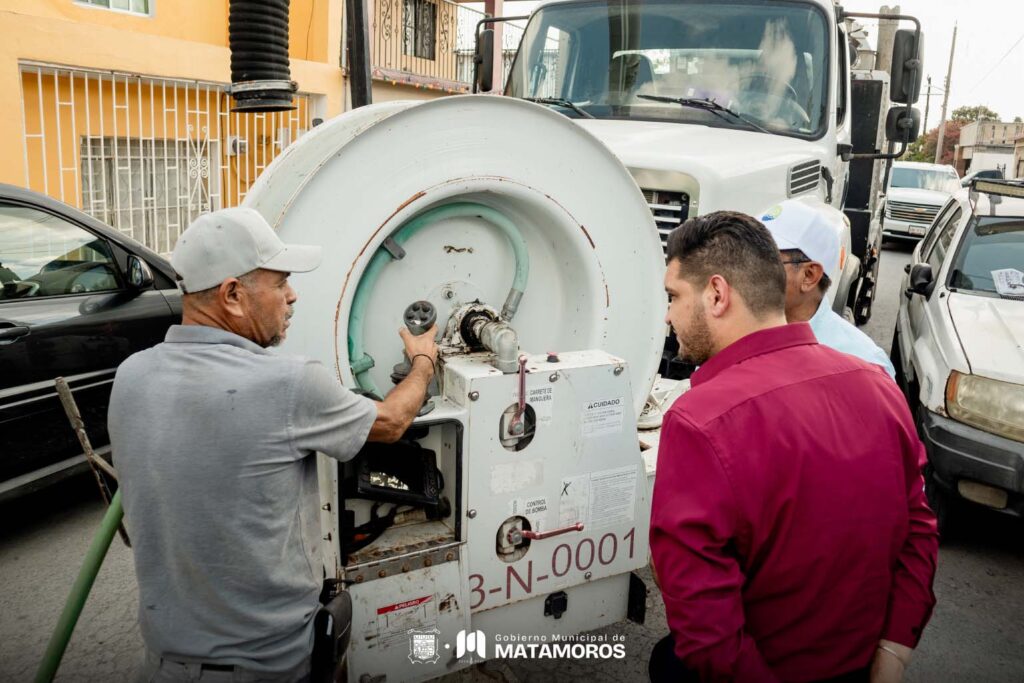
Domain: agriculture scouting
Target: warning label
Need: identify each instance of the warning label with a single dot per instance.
(574, 501)
(612, 496)
(602, 417)
(533, 509)
(599, 499)
(397, 617)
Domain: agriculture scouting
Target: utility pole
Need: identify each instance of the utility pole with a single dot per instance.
(927, 102)
(945, 101)
(886, 37)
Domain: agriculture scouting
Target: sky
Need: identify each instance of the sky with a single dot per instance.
(987, 31)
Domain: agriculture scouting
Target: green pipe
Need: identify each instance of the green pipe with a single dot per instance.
(80, 591)
(361, 362)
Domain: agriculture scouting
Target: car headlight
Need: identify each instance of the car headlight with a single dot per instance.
(988, 404)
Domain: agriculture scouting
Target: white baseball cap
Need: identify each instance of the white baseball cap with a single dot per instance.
(796, 225)
(232, 242)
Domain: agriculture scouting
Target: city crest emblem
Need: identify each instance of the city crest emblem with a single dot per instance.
(423, 645)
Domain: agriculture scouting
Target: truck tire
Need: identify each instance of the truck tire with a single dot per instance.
(868, 285)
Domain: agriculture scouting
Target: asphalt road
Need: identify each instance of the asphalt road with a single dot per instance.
(976, 632)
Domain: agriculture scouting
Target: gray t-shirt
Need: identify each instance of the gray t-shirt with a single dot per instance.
(213, 438)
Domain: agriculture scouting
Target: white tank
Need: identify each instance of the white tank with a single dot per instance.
(594, 256)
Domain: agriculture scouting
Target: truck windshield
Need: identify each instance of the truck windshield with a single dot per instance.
(923, 179)
(766, 62)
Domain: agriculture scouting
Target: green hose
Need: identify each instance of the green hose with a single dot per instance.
(80, 591)
(361, 362)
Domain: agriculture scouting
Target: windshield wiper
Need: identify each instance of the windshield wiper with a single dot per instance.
(560, 102)
(707, 105)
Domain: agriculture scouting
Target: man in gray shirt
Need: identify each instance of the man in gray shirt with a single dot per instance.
(214, 438)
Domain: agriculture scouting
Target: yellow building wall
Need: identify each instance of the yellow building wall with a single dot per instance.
(198, 21)
(182, 39)
(67, 112)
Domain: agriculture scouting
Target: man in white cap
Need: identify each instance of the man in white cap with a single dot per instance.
(810, 250)
(214, 439)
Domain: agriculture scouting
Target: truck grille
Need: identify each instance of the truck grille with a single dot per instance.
(923, 214)
(803, 177)
(669, 209)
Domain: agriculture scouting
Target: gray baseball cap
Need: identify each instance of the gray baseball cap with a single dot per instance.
(232, 242)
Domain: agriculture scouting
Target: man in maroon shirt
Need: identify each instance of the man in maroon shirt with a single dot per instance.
(789, 530)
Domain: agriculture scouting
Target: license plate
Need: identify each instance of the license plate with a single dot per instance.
(916, 231)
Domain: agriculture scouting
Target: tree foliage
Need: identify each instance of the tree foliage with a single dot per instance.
(923, 149)
(977, 113)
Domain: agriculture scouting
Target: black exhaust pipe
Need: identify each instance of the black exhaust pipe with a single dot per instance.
(260, 74)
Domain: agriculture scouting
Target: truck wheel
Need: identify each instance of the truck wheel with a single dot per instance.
(866, 293)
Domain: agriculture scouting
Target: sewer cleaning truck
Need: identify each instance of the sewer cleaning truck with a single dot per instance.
(512, 517)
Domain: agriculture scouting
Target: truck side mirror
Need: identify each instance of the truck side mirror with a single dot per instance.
(921, 280)
(902, 126)
(907, 67)
(484, 60)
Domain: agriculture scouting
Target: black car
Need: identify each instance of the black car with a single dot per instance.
(76, 298)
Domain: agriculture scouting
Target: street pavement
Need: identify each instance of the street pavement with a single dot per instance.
(976, 632)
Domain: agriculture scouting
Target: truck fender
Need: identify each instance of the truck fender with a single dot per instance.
(924, 371)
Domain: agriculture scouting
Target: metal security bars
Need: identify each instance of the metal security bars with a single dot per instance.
(417, 37)
(146, 155)
(432, 40)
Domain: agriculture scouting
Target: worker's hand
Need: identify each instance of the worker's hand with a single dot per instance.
(422, 345)
(889, 664)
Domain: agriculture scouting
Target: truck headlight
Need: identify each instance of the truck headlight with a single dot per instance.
(988, 404)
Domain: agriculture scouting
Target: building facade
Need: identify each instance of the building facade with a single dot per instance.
(987, 145)
(122, 106)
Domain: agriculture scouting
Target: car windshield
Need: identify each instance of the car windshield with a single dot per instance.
(923, 179)
(766, 62)
(991, 243)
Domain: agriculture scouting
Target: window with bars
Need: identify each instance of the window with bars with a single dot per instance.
(420, 28)
(135, 6)
(150, 190)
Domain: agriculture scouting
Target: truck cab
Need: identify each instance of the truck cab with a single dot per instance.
(710, 105)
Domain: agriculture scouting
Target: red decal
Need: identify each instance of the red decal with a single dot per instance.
(631, 536)
(590, 560)
(527, 586)
(568, 560)
(601, 549)
(477, 590)
(403, 605)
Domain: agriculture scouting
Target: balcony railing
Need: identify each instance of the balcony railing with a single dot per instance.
(430, 43)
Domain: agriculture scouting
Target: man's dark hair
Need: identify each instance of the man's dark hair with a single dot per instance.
(737, 247)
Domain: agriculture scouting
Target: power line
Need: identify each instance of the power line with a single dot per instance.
(1012, 48)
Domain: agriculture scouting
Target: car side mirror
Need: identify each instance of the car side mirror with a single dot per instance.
(921, 280)
(906, 70)
(965, 182)
(484, 60)
(140, 276)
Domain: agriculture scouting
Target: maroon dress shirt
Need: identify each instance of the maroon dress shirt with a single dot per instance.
(789, 528)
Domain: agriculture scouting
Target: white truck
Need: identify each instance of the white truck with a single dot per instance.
(729, 105)
(512, 516)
